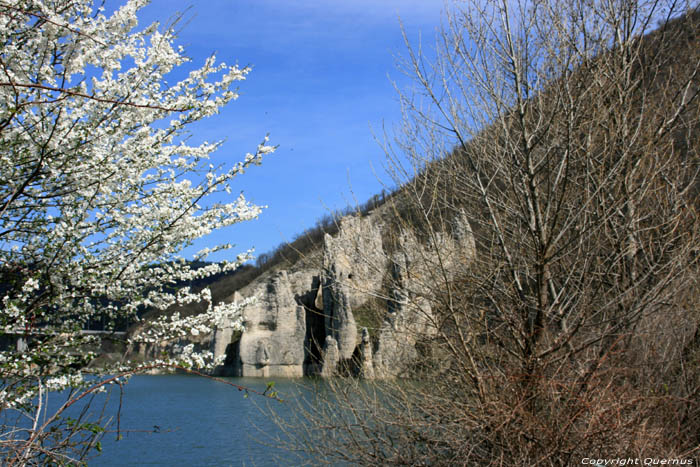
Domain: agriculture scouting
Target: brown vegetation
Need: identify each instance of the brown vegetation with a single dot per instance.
(574, 333)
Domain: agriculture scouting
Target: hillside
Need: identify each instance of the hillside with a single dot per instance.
(340, 279)
(536, 271)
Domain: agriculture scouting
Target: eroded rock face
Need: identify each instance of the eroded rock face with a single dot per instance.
(408, 311)
(366, 364)
(331, 357)
(353, 266)
(273, 341)
(303, 322)
(339, 320)
(355, 257)
(223, 339)
(464, 237)
(416, 268)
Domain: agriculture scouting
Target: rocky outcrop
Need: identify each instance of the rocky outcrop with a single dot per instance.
(409, 312)
(366, 367)
(304, 322)
(339, 320)
(416, 267)
(353, 265)
(272, 344)
(331, 357)
(224, 339)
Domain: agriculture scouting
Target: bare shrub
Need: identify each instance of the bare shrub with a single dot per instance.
(568, 132)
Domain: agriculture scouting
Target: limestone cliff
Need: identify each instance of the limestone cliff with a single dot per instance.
(353, 266)
(303, 322)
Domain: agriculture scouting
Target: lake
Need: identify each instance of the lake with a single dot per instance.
(198, 422)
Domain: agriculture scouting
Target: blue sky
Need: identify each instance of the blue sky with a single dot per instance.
(321, 81)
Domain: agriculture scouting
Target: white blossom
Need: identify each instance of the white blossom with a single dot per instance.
(100, 187)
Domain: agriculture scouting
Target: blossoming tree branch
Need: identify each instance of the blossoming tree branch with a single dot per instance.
(100, 192)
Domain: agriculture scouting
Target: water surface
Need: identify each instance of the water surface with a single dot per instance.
(197, 421)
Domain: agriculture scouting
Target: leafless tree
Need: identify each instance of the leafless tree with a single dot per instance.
(568, 133)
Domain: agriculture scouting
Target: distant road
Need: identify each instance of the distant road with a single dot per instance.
(84, 332)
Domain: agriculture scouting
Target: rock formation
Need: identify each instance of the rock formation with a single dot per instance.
(224, 339)
(303, 322)
(353, 265)
(331, 358)
(409, 312)
(339, 320)
(272, 344)
(366, 369)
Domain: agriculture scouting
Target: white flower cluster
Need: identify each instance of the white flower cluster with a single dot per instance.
(191, 359)
(58, 383)
(24, 383)
(100, 187)
(175, 326)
